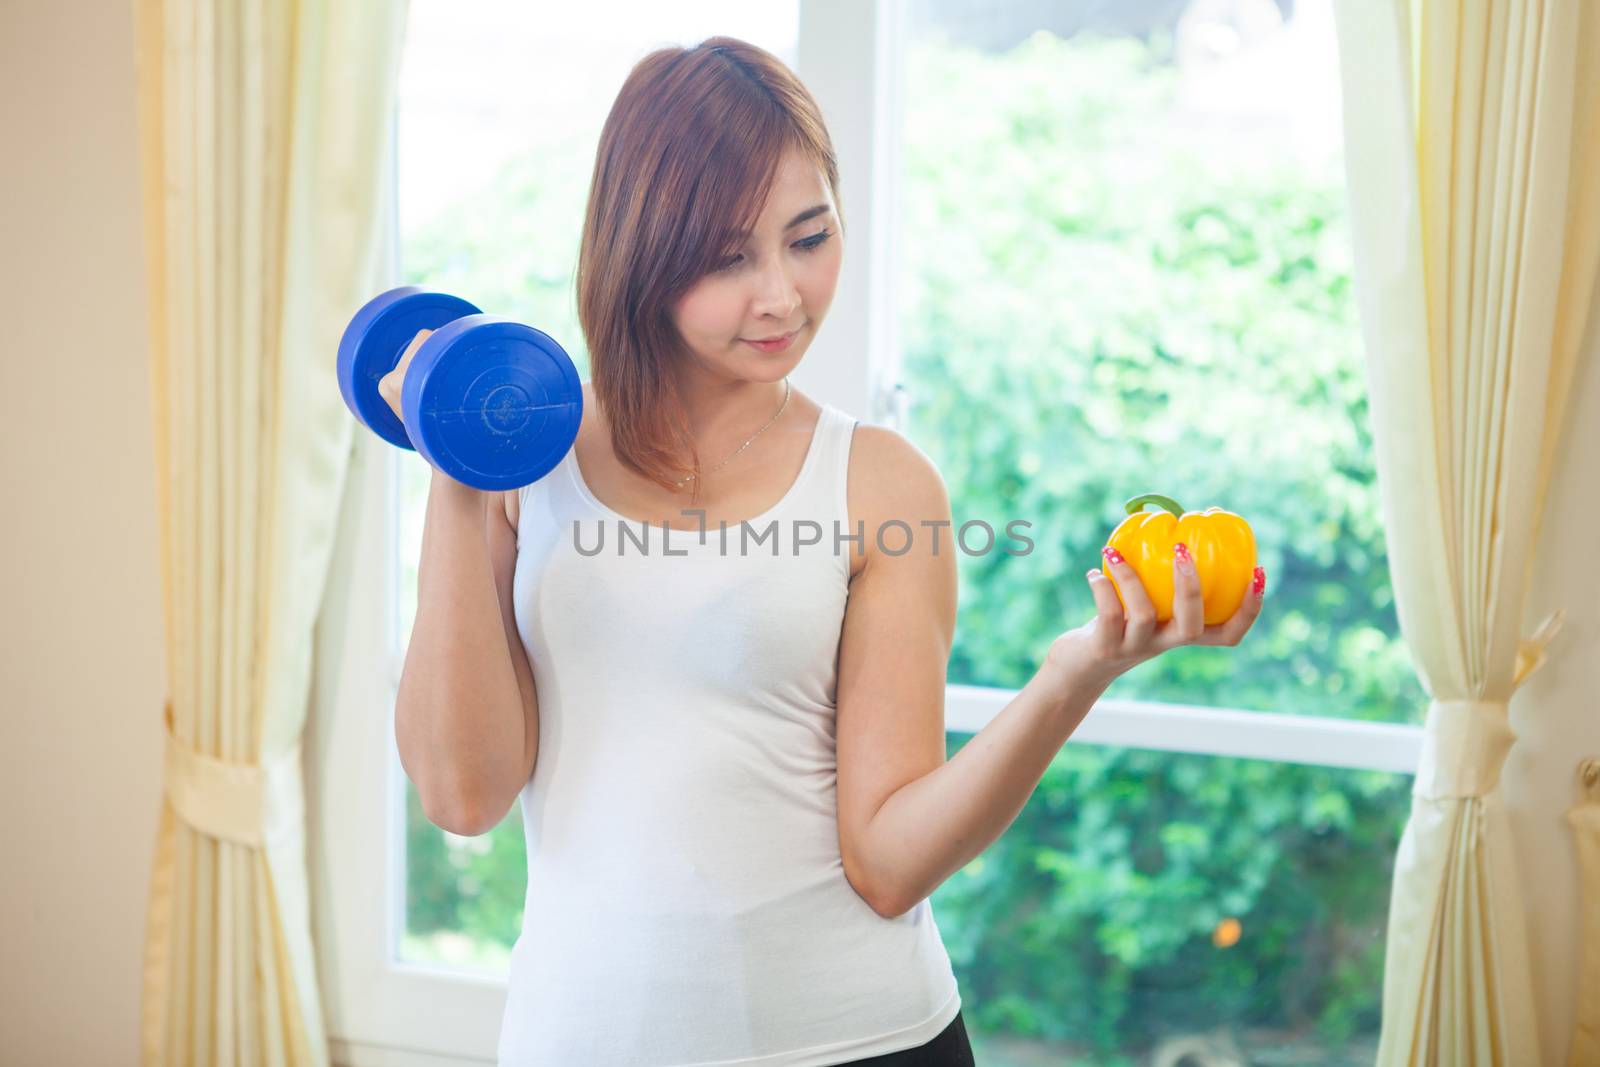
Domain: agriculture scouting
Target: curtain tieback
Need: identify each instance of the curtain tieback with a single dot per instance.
(1464, 742)
(1464, 745)
(247, 803)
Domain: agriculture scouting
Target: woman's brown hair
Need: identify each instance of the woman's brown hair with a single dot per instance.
(685, 161)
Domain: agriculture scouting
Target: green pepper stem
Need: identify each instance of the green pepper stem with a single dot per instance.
(1137, 504)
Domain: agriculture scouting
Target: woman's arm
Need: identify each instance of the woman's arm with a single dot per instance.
(504, 516)
(894, 648)
(466, 718)
(461, 714)
(908, 819)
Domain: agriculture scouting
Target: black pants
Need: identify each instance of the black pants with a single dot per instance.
(949, 1048)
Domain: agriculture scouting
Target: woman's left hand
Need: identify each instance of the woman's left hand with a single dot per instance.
(1115, 641)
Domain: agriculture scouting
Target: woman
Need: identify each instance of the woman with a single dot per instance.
(731, 766)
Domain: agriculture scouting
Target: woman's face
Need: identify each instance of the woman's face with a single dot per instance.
(781, 281)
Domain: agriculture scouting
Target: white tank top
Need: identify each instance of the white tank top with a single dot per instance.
(686, 901)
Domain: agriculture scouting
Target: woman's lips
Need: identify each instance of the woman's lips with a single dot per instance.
(773, 346)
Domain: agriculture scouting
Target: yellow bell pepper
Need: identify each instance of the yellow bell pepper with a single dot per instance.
(1220, 542)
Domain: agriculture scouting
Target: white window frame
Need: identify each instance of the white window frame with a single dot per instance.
(384, 1013)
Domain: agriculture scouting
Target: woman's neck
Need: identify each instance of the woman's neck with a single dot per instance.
(727, 415)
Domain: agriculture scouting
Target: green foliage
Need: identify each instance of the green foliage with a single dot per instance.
(1092, 918)
(1187, 328)
(1093, 311)
(468, 886)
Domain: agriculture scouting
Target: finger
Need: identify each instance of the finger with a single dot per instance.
(411, 350)
(1238, 624)
(1188, 607)
(1108, 614)
(391, 384)
(1139, 611)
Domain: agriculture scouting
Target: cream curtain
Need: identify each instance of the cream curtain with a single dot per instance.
(264, 138)
(1584, 817)
(1473, 152)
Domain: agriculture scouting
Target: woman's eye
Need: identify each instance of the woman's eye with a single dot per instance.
(810, 244)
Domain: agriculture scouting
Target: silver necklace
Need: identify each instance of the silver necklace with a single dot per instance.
(788, 388)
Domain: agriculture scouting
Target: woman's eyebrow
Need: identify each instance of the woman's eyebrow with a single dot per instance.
(806, 214)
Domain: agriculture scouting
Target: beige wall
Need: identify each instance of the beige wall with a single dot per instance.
(80, 636)
(80, 641)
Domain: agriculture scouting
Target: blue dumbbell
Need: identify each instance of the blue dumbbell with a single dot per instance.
(491, 402)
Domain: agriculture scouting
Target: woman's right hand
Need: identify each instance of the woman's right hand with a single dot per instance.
(1119, 638)
(389, 384)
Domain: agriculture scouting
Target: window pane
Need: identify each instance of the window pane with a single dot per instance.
(501, 105)
(1146, 902)
(1126, 270)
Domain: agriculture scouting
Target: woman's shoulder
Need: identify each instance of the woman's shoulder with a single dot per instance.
(890, 456)
(892, 478)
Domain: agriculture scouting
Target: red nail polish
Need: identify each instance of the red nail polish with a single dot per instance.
(1111, 554)
(1181, 550)
(1260, 584)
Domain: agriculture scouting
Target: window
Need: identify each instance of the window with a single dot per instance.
(1124, 268)
(1097, 250)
